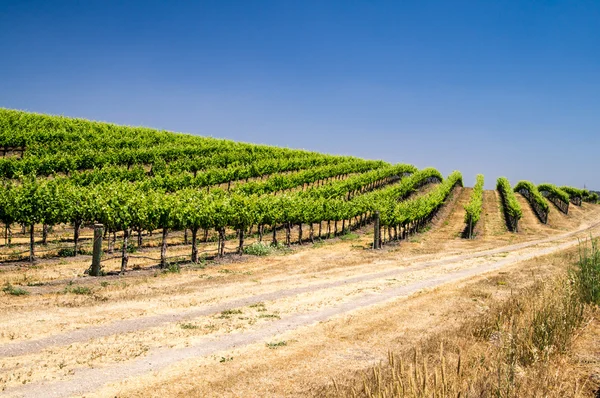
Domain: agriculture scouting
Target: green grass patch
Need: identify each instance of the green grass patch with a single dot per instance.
(231, 312)
(188, 326)
(276, 345)
(173, 268)
(14, 291)
(350, 236)
(259, 249)
(84, 290)
(275, 316)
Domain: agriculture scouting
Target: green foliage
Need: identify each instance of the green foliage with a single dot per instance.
(83, 290)
(474, 207)
(56, 144)
(70, 252)
(573, 192)
(231, 312)
(14, 291)
(510, 202)
(130, 178)
(275, 345)
(258, 249)
(402, 213)
(553, 192)
(173, 268)
(349, 236)
(587, 273)
(535, 195)
(188, 326)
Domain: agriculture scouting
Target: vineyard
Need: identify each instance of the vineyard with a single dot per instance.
(136, 181)
(204, 246)
(62, 174)
(510, 205)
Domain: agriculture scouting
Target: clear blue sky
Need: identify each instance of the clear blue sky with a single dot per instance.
(495, 87)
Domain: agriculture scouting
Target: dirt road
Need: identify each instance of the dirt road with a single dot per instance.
(249, 315)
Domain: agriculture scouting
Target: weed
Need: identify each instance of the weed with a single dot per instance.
(269, 316)
(274, 346)
(231, 312)
(226, 359)
(66, 252)
(587, 273)
(78, 290)
(132, 247)
(211, 326)
(259, 249)
(104, 283)
(350, 236)
(70, 252)
(260, 307)
(188, 326)
(14, 291)
(173, 268)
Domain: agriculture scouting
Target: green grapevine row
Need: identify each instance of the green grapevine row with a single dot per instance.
(406, 217)
(535, 199)
(474, 207)
(510, 204)
(555, 195)
(575, 194)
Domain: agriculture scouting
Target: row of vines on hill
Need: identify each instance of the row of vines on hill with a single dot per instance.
(536, 200)
(557, 196)
(474, 207)
(402, 218)
(577, 196)
(510, 204)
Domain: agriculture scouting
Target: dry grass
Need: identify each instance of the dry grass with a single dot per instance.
(521, 347)
(342, 346)
(53, 308)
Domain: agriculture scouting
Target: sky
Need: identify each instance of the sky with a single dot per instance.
(502, 88)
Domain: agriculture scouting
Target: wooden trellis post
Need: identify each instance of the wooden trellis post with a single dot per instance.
(97, 253)
(376, 231)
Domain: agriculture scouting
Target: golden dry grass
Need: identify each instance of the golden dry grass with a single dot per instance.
(342, 347)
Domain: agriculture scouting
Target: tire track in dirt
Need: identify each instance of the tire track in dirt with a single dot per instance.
(159, 359)
(136, 324)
